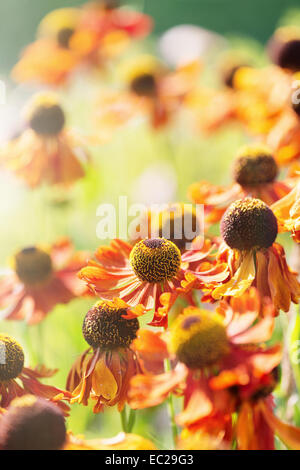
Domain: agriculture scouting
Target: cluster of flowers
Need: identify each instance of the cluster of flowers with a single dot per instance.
(216, 352)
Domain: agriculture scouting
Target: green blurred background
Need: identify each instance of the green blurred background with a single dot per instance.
(120, 167)
(254, 18)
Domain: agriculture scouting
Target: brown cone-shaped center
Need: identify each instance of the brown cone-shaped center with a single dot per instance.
(32, 423)
(286, 54)
(255, 165)
(144, 85)
(104, 327)
(11, 358)
(33, 266)
(249, 224)
(64, 36)
(155, 260)
(47, 120)
(179, 225)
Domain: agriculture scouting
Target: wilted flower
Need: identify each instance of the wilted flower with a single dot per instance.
(249, 230)
(102, 373)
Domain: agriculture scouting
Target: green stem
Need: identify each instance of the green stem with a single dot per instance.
(123, 419)
(131, 420)
(171, 408)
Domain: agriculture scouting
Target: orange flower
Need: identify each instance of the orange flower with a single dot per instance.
(151, 91)
(46, 152)
(140, 274)
(215, 357)
(249, 229)
(50, 60)
(261, 96)
(211, 108)
(284, 139)
(32, 423)
(151, 350)
(71, 37)
(287, 211)
(102, 17)
(254, 172)
(40, 280)
(17, 380)
(102, 373)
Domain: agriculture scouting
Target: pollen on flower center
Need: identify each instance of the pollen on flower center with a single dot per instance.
(254, 165)
(11, 358)
(33, 265)
(249, 224)
(198, 338)
(155, 260)
(63, 37)
(105, 327)
(32, 423)
(144, 85)
(46, 117)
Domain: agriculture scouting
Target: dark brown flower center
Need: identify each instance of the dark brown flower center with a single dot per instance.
(32, 423)
(285, 54)
(254, 166)
(47, 120)
(155, 260)
(249, 224)
(33, 266)
(144, 85)
(11, 358)
(64, 36)
(104, 327)
(179, 225)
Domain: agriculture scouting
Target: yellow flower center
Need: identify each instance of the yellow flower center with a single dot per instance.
(33, 266)
(228, 74)
(198, 338)
(47, 119)
(179, 225)
(249, 224)
(11, 358)
(144, 85)
(254, 165)
(104, 327)
(155, 260)
(32, 423)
